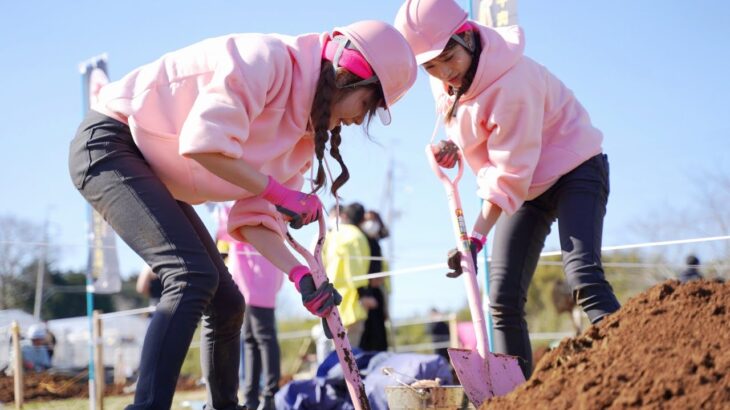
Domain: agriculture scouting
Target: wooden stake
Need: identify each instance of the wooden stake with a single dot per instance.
(453, 331)
(120, 376)
(17, 366)
(98, 360)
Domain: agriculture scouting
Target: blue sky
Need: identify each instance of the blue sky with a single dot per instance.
(652, 74)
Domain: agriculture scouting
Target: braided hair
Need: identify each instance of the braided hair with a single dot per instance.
(329, 91)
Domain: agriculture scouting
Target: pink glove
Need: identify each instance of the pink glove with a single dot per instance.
(446, 153)
(301, 208)
(318, 301)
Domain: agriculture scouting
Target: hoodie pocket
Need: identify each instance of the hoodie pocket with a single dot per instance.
(607, 173)
(79, 157)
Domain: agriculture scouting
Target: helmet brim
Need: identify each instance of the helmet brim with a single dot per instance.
(384, 115)
(427, 56)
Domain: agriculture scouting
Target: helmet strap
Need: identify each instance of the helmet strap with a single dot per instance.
(471, 48)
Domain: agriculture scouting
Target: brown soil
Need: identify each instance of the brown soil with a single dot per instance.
(669, 347)
(41, 386)
(45, 386)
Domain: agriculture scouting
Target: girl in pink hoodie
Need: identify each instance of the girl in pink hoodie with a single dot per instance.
(536, 155)
(240, 117)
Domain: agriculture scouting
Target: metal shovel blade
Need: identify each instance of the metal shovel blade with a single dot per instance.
(484, 378)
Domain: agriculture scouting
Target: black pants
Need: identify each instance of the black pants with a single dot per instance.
(262, 354)
(113, 176)
(578, 201)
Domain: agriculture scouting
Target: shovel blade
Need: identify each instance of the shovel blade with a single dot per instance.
(484, 378)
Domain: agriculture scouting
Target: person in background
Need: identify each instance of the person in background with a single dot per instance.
(345, 255)
(34, 349)
(375, 295)
(259, 282)
(50, 340)
(440, 332)
(692, 270)
(149, 284)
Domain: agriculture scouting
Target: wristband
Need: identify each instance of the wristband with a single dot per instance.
(480, 239)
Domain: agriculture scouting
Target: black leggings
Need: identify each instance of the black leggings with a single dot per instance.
(578, 201)
(262, 354)
(113, 176)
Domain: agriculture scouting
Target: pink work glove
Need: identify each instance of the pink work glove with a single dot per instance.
(318, 301)
(446, 153)
(300, 208)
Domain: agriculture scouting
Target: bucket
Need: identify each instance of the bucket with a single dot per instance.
(431, 398)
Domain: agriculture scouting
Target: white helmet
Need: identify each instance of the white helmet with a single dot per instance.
(37, 332)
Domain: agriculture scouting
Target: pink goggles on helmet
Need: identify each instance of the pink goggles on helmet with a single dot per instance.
(341, 54)
(463, 28)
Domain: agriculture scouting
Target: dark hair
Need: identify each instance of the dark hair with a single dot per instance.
(692, 260)
(470, 72)
(330, 90)
(355, 213)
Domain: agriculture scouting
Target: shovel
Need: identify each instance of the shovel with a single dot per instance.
(339, 336)
(482, 374)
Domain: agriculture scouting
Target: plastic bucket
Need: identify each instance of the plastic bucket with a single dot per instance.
(431, 398)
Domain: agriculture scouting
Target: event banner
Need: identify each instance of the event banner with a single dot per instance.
(494, 13)
(103, 262)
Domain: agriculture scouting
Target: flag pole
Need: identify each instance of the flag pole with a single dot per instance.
(500, 14)
(485, 299)
(86, 68)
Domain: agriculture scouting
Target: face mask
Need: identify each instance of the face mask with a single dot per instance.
(371, 228)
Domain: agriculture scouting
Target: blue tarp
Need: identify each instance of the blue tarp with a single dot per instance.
(327, 391)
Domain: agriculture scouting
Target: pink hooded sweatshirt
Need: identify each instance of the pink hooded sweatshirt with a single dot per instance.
(257, 279)
(519, 127)
(244, 96)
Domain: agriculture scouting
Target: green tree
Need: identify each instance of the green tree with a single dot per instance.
(64, 294)
(19, 241)
(629, 273)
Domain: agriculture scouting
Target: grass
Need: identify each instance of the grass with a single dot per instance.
(110, 403)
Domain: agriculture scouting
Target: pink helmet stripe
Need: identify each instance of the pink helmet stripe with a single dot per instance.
(350, 59)
(464, 27)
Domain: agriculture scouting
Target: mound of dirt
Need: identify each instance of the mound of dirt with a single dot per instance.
(49, 386)
(43, 386)
(669, 347)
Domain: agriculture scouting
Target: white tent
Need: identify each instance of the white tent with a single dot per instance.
(123, 337)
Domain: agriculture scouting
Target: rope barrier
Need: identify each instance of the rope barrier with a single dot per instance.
(424, 268)
(131, 312)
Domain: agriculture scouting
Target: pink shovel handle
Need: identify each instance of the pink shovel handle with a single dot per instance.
(339, 336)
(440, 173)
(462, 240)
